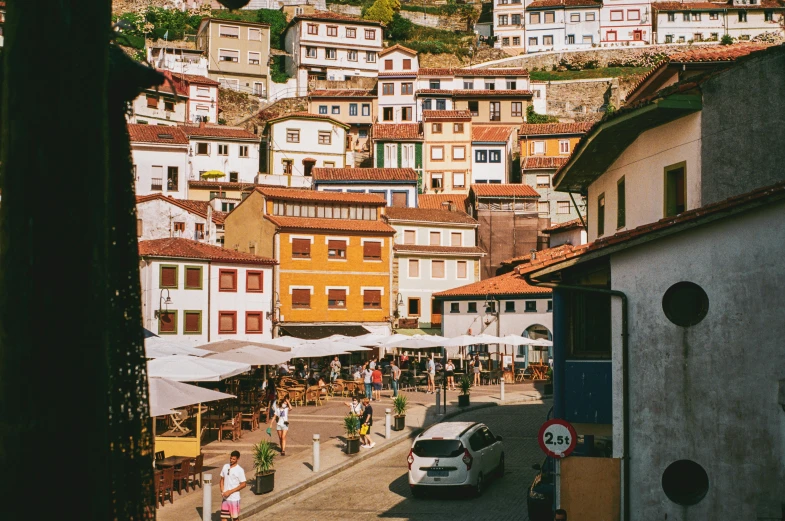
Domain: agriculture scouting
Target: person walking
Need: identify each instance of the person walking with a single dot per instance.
(365, 425)
(376, 382)
(431, 375)
(449, 373)
(477, 368)
(281, 420)
(367, 373)
(232, 482)
(335, 370)
(372, 365)
(395, 376)
(356, 410)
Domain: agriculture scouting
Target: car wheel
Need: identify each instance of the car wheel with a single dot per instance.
(417, 492)
(479, 486)
(500, 468)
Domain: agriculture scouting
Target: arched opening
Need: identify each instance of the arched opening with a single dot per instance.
(533, 353)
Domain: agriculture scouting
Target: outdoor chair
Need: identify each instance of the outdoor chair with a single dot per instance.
(181, 475)
(337, 388)
(167, 485)
(313, 394)
(158, 476)
(231, 426)
(251, 418)
(197, 466)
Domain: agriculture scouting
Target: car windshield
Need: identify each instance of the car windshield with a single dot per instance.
(438, 448)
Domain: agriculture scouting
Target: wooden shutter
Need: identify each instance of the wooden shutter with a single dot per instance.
(461, 269)
(227, 280)
(336, 298)
(167, 323)
(336, 248)
(226, 322)
(253, 322)
(254, 281)
(436, 239)
(139, 228)
(409, 237)
(193, 278)
(192, 322)
(301, 247)
(414, 268)
(437, 269)
(399, 199)
(455, 239)
(301, 298)
(372, 250)
(372, 298)
(169, 277)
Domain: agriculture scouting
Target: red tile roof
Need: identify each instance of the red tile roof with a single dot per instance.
(218, 131)
(345, 225)
(491, 133)
(197, 207)
(157, 134)
(439, 201)
(435, 71)
(195, 79)
(443, 92)
(401, 74)
(398, 47)
(717, 53)
(540, 255)
(504, 190)
(490, 93)
(396, 131)
(364, 174)
(187, 249)
(563, 227)
(508, 284)
(715, 6)
(226, 185)
(492, 72)
(330, 16)
(290, 194)
(169, 87)
(553, 129)
(446, 114)
(449, 250)
(342, 93)
(563, 3)
(542, 162)
(305, 115)
(429, 215)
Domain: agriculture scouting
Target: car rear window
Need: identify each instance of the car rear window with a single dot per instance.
(438, 448)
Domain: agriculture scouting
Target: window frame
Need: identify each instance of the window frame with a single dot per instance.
(621, 203)
(332, 30)
(434, 148)
(260, 314)
(161, 276)
(325, 137)
(292, 135)
(187, 312)
(233, 289)
(261, 281)
(185, 279)
(530, 306)
(312, 29)
(509, 306)
(461, 149)
(472, 307)
(174, 321)
(232, 314)
(388, 89)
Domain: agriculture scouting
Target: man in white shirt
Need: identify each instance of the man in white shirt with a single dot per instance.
(232, 482)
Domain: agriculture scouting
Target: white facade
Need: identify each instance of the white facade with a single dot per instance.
(183, 61)
(562, 29)
(434, 92)
(237, 158)
(491, 160)
(202, 103)
(702, 24)
(539, 96)
(395, 90)
(159, 108)
(625, 22)
(294, 142)
(160, 168)
(162, 218)
(387, 190)
(508, 25)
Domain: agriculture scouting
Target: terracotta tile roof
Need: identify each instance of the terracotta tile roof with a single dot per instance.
(548, 129)
(540, 255)
(439, 201)
(684, 221)
(345, 225)
(488, 93)
(446, 114)
(188, 249)
(167, 88)
(157, 134)
(454, 250)
(306, 115)
(396, 131)
(435, 71)
(197, 207)
(491, 133)
(542, 162)
(508, 284)
(401, 74)
(218, 131)
(484, 73)
(563, 227)
(563, 3)
(198, 183)
(715, 6)
(330, 16)
(343, 93)
(443, 92)
(364, 174)
(504, 190)
(717, 53)
(429, 215)
(398, 47)
(195, 79)
(291, 194)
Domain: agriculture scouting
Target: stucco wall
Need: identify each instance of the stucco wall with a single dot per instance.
(158, 218)
(146, 160)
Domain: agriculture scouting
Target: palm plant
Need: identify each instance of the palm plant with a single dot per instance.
(263, 455)
(400, 404)
(465, 384)
(351, 423)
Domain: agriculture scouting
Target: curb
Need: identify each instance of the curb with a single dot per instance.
(296, 489)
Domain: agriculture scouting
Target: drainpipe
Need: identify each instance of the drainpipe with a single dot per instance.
(625, 375)
(276, 282)
(209, 294)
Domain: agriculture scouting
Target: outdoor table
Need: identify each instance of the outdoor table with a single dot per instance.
(213, 421)
(538, 371)
(172, 461)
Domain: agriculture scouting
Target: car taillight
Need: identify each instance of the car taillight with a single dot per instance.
(467, 459)
(410, 459)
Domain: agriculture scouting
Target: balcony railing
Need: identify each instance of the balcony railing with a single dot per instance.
(156, 183)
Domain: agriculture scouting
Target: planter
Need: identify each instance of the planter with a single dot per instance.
(548, 388)
(399, 422)
(352, 445)
(463, 400)
(264, 483)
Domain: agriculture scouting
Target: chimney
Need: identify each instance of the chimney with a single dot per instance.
(534, 254)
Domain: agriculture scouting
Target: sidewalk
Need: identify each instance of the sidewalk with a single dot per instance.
(294, 471)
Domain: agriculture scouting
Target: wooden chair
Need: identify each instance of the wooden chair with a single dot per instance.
(296, 396)
(233, 426)
(167, 485)
(337, 388)
(160, 455)
(197, 465)
(313, 394)
(181, 475)
(158, 477)
(251, 418)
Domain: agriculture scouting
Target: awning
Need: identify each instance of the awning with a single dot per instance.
(317, 332)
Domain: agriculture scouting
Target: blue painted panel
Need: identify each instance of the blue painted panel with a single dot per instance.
(587, 391)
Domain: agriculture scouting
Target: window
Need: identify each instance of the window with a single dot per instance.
(139, 227)
(534, 18)
(254, 58)
(712, 16)
(313, 29)
(310, 52)
(517, 109)
(617, 16)
(502, 19)
(322, 109)
(406, 114)
(351, 32)
(543, 207)
(675, 192)
(441, 104)
(243, 150)
(570, 39)
(372, 299)
(179, 228)
(351, 56)
(562, 207)
(474, 108)
(715, 37)
(366, 109)
(455, 307)
(589, 17)
(435, 239)
(437, 269)
(550, 17)
(227, 322)
(564, 146)
(172, 178)
(515, 19)
(635, 14)
(495, 109)
(227, 207)
(169, 106)
(490, 85)
(388, 89)
(460, 269)
(509, 306)
(742, 16)
(287, 166)
(543, 181)
(458, 179)
(456, 239)
(601, 215)
(253, 322)
(254, 281)
(152, 102)
(227, 280)
(167, 322)
(325, 137)
(413, 307)
(437, 180)
(550, 306)
(671, 17)
(481, 156)
(227, 55)
(437, 153)
(547, 39)
(388, 65)
(301, 248)
(336, 298)
(336, 109)
(668, 38)
(533, 42)
(387, 114)
(293, 135)
(696, 17)
(538, 147)
(223, 150)
(490, 307)
(409, 237)
(254, 34)
(352, 109)
(301, 298)
(168, 277)
(458, 153)
(202, 149)
(516, 41)
(457, 128)
(468, 84)
(426, 104)
(336, 249)
(621, 204)
(228, 31)
(372, 250)
(332, 30)
(329, 54)
(434, 84)
(407, 88)
(370, 57)
(192, 322)
(193, 277)
(472, 307)
(575, 17)
(531, 306)
(494, 156)
(329, 164)
(370, 34)
(407, 64)
(414, 268)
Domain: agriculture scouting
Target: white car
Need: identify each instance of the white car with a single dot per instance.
(452, 454)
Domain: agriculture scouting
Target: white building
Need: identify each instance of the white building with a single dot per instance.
(625, 22)
(398, 66)
(434, 89)
(179, 60)
(298, 142)
(166, 104)
(331, 46)
(701, 21)
(160, 159)
(162, 217)
(508, 25)
(562, 25)
(492, 148)
(434, 250)
(202, 97)
(213, 293)
(398, 186)
(570, 232)
(233, 151)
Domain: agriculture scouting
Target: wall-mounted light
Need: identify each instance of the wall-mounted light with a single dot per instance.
(163, 303)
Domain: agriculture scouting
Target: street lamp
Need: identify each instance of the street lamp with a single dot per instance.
(163, 303)
(492, 309)
(273, 315)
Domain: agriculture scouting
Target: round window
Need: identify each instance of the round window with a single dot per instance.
(685, 304)
(685, 482)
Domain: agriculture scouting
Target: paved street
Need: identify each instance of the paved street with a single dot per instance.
(379, 487)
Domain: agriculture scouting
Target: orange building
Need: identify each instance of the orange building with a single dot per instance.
(335, 254)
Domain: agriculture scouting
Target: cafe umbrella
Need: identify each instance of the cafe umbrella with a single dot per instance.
(194, 369)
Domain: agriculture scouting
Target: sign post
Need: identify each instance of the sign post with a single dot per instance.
(557, 438)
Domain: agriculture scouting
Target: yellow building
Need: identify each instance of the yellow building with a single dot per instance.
(448, 149)
(335, 258)
(550, 139)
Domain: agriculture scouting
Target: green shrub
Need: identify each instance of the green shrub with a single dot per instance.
(533, 117)
(726, 39)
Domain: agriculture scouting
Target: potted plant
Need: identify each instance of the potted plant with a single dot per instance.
(351, 423)
(400, 404)
(263, 455)
(549, 382)
(463, 398)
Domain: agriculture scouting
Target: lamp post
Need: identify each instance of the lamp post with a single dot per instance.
(492, 309)
(274, 314)
(163, 303)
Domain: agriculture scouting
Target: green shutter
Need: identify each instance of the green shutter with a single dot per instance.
(379, 155)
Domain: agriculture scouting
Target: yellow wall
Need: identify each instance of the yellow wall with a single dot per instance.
(551, 145)
(245, 226)
(483, 116)
(203, 194)
(447, 139)
(591, 488)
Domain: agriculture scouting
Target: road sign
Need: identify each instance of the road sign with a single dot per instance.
(557, 438)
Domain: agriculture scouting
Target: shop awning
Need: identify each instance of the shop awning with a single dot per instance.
(323, 331)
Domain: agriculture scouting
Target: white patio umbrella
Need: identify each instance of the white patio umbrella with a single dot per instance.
(367, 340)
(166, 395)
(417, 342)
(220, 346)
(322, 347)
(516, 340)
(253, 355)
(283, 341)
(540, 342)
(194, 369)
(162, 350)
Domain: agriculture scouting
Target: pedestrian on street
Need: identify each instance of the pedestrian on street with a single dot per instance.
(477, 365)
(271, 396)
(372, 365)
(365, 425)
(449, 372)
(356, 410)
(431, 375)
(376, 382)
(395, 376)
(232, 482)
(281, 420)
(335, 370)
(367, 373)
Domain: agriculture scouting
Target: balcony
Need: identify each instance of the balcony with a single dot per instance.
(156, 183)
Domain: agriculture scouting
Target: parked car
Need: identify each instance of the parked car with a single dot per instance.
(539, 500)
(452, 454)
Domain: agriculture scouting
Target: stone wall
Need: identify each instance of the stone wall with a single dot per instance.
(428, 20)
(581, 98)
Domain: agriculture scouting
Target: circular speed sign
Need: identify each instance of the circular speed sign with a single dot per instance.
(557, 438)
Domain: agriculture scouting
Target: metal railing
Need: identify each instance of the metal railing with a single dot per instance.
(156, 183)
